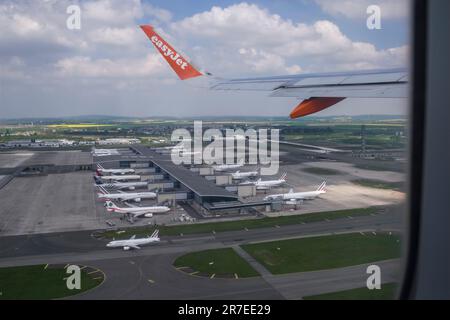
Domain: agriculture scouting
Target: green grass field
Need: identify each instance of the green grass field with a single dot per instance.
(38, 283)
(388, 292)
(217, 262)
(321, 171)
(379, 184)
(240, 224)
(322, 253)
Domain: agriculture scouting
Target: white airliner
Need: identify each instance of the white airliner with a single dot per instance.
(317, 91)
(243, 175)
(266, 185)
(104, 152)
(226, 167)
(101, 171)
(134, 243)
(134, 211)
(120, 178)
(293, 197)
(120, 185)
(124, 196)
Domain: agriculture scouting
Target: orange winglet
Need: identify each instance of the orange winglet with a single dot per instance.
(179, 64)
(313, 105)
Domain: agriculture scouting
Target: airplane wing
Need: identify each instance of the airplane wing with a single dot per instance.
(317, 91)
(134, 247)
(133, 237)
(323, 90)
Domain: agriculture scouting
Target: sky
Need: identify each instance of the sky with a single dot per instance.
(109, 66)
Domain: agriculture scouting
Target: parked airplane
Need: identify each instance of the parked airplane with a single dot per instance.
(123, 196)
(120, 185)
(104, 152)
(266, 185)
(134, 243)
(293, 197)
(134, 212)
(226, 167)
(317, 91)
(243, 175)
(101, 171)
(120, 178)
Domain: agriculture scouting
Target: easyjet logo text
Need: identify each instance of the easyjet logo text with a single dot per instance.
(166, 51)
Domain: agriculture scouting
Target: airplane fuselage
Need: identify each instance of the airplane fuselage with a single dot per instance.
(121, 178)
(137, 196)
(295, 196)
(131, 243)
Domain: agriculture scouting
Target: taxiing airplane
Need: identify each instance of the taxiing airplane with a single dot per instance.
(293, 197)
(134, 243)
(266, 185)
(134, 211)
(101, 171)
(243, 175)
(317, 91)
(123, 196)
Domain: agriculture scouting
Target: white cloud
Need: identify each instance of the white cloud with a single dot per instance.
(79, 66)
(116, 36)
(280, 43)
(390, 9)
(112, 63)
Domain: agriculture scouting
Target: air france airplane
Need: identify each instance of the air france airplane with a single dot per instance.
(226, 167)
(243, 175)
(120, 185)
(134, 243)
(120, 178)
(123, 196)
(101, 171)
(266, 185)
(293, 197)
(134, 211)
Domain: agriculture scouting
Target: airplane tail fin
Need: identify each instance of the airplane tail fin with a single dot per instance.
(103, 190)
(322, 186)
(99, 166)
(155, 234)
(182, 67)
(110, 205)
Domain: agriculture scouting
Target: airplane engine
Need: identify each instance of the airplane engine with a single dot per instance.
(131, 188)
(126, 248)
(137, 199)
(149, 215)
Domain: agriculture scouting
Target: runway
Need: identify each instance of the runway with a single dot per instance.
(149, 274)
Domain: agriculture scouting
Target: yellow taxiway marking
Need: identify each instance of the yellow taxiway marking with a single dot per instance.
(46, 266)
(193, 273)
(151, 281)
(212, 277)
(236, 276)
(65, 267)
(98, 278)
(82, 267)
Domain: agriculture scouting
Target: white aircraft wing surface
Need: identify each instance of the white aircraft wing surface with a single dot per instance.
(322, 90)
(317, 91)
